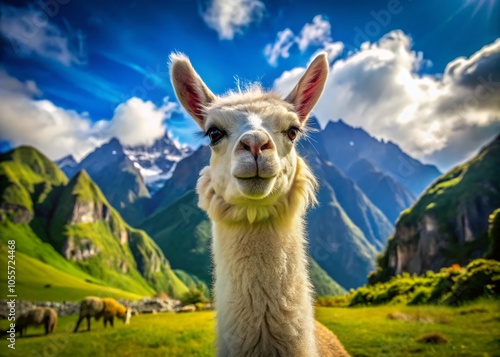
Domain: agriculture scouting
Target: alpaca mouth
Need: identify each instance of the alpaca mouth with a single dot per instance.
(255, 187)
(256, 177)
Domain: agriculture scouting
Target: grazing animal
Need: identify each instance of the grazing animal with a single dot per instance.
(106, 308)
(256, 191)
(37, 316)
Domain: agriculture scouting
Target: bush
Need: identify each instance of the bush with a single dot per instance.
(453, 285)
(331, 301)
(494, 236)
(481, 278)
(194, 296)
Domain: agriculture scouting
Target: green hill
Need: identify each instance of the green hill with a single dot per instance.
(86, 236)
(449, 222)
(26, 177)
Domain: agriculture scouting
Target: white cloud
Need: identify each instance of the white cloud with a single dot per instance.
(316, 33)
(25, 120)
(332, 49)
(28, 31)
(137, 122)
(284, 40)
(442, 119)
(230, 17)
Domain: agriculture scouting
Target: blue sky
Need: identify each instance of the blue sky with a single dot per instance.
(75, 73)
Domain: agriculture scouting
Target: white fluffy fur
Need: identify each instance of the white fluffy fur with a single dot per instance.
(257, 203)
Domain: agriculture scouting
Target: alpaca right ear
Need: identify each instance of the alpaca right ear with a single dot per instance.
(193, 94)
(306, 93)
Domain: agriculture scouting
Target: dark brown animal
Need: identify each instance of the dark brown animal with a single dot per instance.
(37, 316)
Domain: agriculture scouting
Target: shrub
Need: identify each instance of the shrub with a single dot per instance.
(332, 301)
(481, 278)
(453, 285)
(193, 296)
(494, 235)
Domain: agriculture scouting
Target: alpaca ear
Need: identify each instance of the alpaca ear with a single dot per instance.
(306, 93)
(193, 94)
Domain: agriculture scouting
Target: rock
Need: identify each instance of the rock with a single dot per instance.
(187, 308)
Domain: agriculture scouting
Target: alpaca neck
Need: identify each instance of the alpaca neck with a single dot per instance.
(262, 291)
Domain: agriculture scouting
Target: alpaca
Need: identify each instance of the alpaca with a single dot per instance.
(107, 308)
(37, 316)
(256, 191)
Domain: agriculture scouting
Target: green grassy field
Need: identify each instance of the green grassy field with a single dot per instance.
(34, 275)
(471, 330)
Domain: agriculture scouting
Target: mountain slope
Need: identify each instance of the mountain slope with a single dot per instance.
(449, 222)
(26, 177)
(348, 144)
(390, 196)
(120, 181)
(67, 164)
(87, 237)
(157, 162)
(183, 179)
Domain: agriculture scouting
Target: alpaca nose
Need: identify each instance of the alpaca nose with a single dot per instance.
(255, 143)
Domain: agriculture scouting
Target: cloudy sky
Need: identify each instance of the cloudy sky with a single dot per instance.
(423, 74)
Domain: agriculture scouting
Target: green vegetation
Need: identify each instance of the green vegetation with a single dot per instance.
(452, 286)
(183, 232)
(38, 281)
(322, 282)
(460, 201)
(471, 330)
(463, 184)
(193, 282)
(165, 334)
(494, 236)
(52, 218)
(26, 177)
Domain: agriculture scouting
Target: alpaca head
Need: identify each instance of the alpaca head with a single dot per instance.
(252, 135)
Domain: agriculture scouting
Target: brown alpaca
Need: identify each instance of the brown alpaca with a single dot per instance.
(256, 191)
(107, 308)
(35, 317)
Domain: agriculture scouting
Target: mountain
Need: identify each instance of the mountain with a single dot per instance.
(390, 196)
(67, 164)
(26, 178)
(346, 230)
(158, 161)
(183, 179)
(72, 227)
(118, 178)
(449, 222)
(346, 144)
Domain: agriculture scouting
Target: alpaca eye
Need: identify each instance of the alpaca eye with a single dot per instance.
(215, 135)
(292, 133)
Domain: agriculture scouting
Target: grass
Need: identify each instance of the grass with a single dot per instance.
(166, 334)
(471, 330)
(32, 275)
(37, 264)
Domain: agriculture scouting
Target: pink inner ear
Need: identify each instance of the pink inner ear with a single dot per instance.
(193, 100)
(308, 94)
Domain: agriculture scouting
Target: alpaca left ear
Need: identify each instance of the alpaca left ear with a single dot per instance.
(306, 93)
(190, 89)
